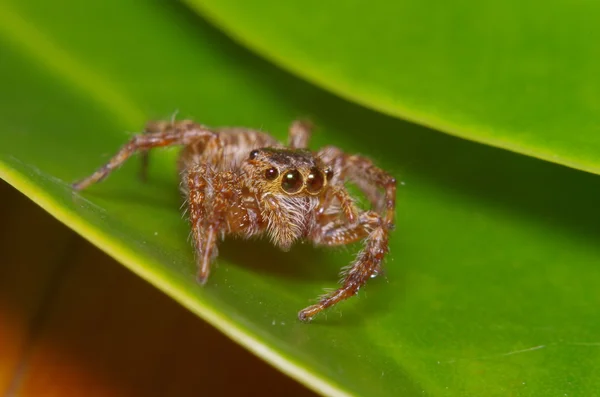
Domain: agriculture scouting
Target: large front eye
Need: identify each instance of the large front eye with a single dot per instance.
(314, 181)
(292, 181)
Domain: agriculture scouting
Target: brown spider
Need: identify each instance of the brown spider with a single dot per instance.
(243, 182)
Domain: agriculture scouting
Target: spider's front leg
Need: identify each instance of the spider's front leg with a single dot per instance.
(367, 264)
(373, 227)
(210, 194)
(367, 176)
(160, 134)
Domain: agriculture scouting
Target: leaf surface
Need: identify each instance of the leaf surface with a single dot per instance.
(490, 286)
(519, 76)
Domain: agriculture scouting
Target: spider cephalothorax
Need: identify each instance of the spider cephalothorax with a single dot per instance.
(244, 182)
(288, 183)
(287, 172)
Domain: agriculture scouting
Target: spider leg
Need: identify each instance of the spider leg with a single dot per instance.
(366, 265)
(335, 232)
(348, 207)
(152, 127)
(208, 252)
(159, 134)
(368, 177)
(299, 134)
(198, 179)
(210, 195)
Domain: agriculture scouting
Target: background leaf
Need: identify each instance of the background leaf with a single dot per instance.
(491, 282)
(520, 76)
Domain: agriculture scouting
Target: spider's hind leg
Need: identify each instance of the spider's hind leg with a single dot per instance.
(159, 134)
(299, 134)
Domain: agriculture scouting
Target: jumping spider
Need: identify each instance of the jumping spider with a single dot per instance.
(243, 182)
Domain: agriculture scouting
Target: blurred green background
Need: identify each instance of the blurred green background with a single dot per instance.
(490, 285)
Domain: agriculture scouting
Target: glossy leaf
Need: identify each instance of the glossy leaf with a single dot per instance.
(520, 76)
(491, 281)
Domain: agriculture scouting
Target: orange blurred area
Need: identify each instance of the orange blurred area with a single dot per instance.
(73, 322)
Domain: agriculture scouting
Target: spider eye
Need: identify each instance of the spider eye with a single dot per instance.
(292, 181)
(328, 174)
(253, 154)
(271, 173)
(314, 181)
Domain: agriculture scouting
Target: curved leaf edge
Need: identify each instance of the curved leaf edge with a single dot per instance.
(142, 268)
(377, 102)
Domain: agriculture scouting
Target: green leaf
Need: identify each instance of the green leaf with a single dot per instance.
(490, 286)
(519, 76)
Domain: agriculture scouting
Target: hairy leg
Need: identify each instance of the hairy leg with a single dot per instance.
(335, 232)
(348, 208)
(368, 177)
(153, 127)
(366, 265)
(299, 134)
(160, 134)
(210, 195)
(196, 182)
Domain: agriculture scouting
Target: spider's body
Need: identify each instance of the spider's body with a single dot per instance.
(244, 182)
